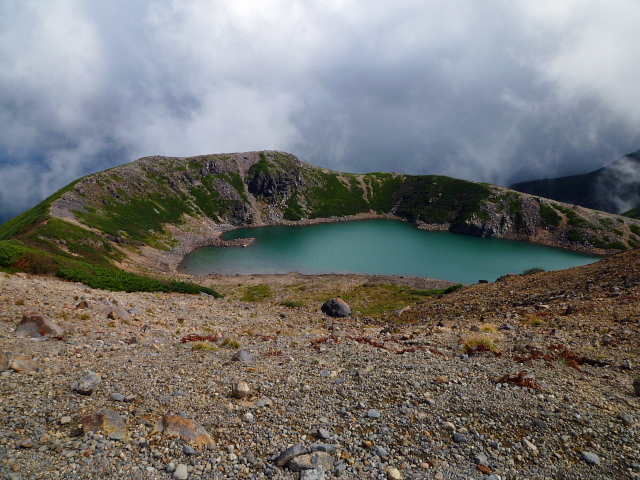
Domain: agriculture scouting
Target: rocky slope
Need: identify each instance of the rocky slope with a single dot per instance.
(150, 212)
(529, 377)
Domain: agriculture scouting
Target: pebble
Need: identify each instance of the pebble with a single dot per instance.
(394, 474)
(243, 356)
(240, 389)
(590, 457)
(373, 413)
(181, 472)
(289, 453)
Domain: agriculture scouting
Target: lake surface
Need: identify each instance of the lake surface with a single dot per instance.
(376, 247)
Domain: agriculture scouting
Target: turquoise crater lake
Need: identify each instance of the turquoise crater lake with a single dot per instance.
(375, 247)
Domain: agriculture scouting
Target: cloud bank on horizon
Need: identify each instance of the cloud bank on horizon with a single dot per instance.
(491, 90)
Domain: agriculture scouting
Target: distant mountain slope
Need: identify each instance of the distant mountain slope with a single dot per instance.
(614, 188)
(149, 213)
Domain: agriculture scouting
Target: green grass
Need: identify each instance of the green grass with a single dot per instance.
(15, 257)
(549, 216)
(256, 293)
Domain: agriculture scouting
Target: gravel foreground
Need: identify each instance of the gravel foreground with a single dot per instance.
(387, 399)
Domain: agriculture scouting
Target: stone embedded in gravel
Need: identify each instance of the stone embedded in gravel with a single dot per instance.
(336, 307)
(88, 384)
(481, 459)
(310, 461)
(590, 457)
(35, 325)
(117, 397)
(4, 361)
(65, 420)
(324, 447)
(540, 423)
(25, 442)
(373, 413)
(115, 313)
(314, 474)
(627, 419)
(240, 389)
(289, 453)
(181, 472)
(394, 474)
(23, 364)
(323, 433)
(247, 417)
(188, 450)
(530, 447)
(636, 386)
(107, 421)
(459, 438)
(176, 426)
(243, 356)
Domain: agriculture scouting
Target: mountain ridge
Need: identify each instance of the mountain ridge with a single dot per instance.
(612, 188)
(145, 215)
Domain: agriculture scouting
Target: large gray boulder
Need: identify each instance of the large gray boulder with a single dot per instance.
(336, 307)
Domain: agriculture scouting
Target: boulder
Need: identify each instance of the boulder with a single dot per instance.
(36, 325)
(336, 307)
(290, 453)
(115, 313)
(176, 426)
(107, 421)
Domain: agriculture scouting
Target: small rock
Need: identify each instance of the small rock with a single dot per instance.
(636, 386)
(373, 413)
(627, 419)
(65, 420)
(540, 423)
(336, 307)
(35, 325)
(481, 459)
(247, 417)
(26, 442)
(189, 450)
(4, 361)
(88, 384)
(117, 397)
(181, 472)
(107, 421)
(176, 426)
(323, 433)
(289, 453)
(530, 447)
(240, 389)
(626, 365)
(324, 447)
(459, 438)
(23, 364)
(393, 474)
(314, 474)
(590, 457)
(243, 356)
(311, 461)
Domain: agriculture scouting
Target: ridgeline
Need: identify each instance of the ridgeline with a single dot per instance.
(141, 218)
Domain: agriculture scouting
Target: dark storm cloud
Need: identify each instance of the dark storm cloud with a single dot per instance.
(492, 90)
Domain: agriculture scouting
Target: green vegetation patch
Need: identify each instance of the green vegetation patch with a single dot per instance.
(549, 216)
(256, 293)
(15, 257)
(438, 199)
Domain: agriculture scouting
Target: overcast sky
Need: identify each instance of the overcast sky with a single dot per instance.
(496, 91)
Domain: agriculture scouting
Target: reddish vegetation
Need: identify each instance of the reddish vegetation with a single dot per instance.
(321, 340)
(482, 348)
(192, 337)
(520, 381)
(273, 353)
(266, 339)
